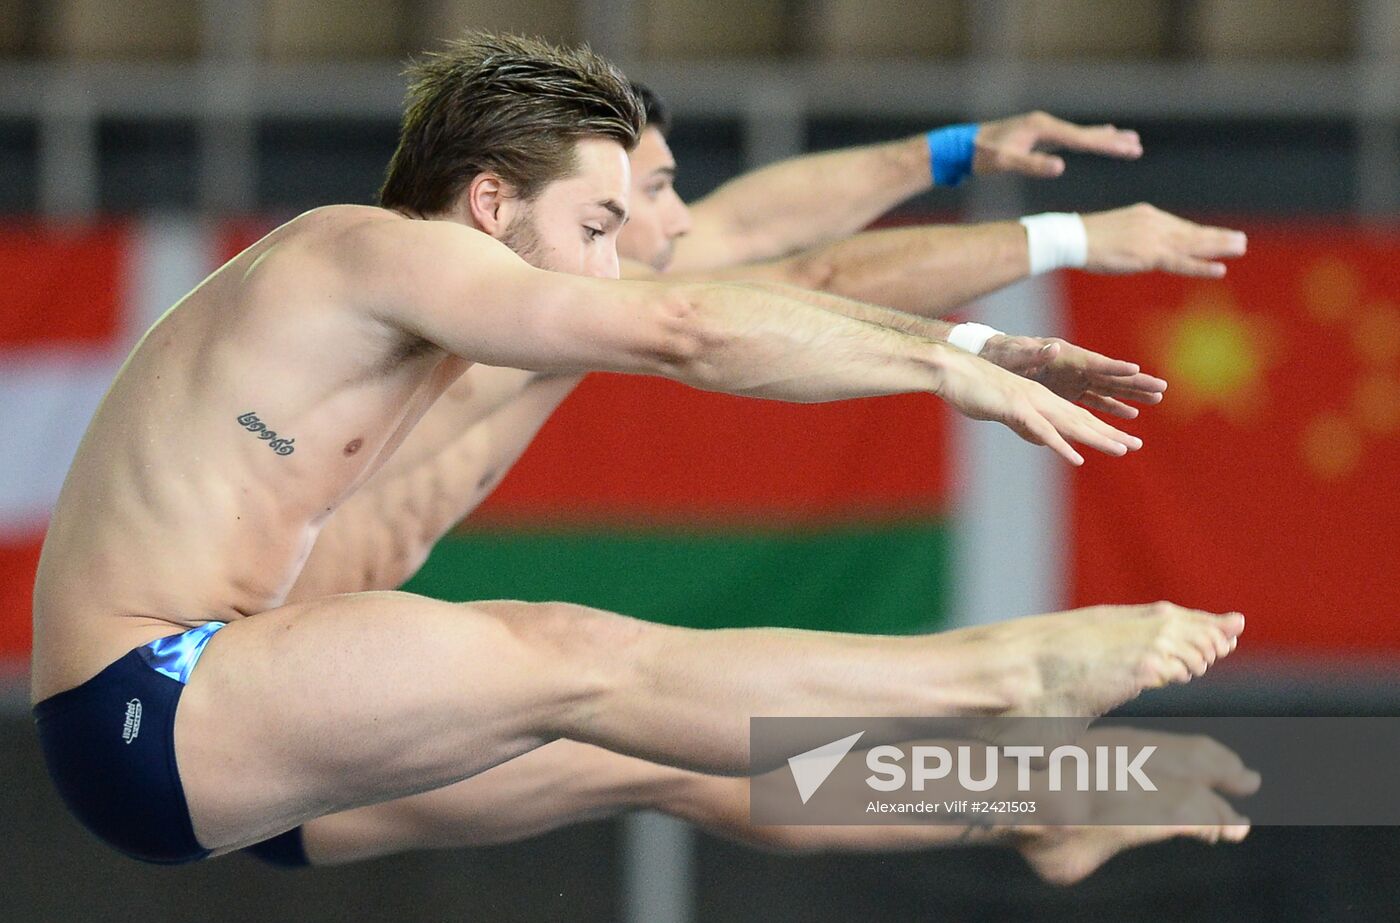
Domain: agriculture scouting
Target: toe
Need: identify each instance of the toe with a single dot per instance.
(1232, 624)
(1237, 832)
(1188, 648)
(1223, 644)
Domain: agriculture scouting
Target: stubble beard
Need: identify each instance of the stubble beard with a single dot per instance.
(524, 239)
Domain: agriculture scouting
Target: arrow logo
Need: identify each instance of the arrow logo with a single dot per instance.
(810, 769)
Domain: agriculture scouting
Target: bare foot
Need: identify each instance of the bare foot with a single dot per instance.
(1189, 772)
(1065, 855)
(1085, 662)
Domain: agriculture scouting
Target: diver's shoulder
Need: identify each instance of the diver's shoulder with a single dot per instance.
(330, 236)
(336, 219)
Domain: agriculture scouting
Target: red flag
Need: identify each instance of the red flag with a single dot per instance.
(62, 296)
(1270, 480)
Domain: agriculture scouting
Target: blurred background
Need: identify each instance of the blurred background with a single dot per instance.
(143, 142)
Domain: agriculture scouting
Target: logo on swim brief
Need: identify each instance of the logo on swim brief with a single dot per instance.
(132, 726)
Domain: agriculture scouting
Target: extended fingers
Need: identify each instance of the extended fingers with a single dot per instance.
(1037, 429)
(1124, 393)
(1099, 364)
(1116, 373)
(1197, 248)
(1043, 417)
(1141, 388)
(1033, 163)
(1145, 382)
(1079, 425)
(1091, 431)
(1181, 265)
(1215, 243)
(1108, 405)
(1011, 145)
(1101, 383)
(1107, 140)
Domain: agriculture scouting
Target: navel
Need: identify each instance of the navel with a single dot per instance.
(353, 446)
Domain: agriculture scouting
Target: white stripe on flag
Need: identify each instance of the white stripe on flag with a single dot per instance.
(1009, 557)
(47, 396)
(48, 400)
(170, 256)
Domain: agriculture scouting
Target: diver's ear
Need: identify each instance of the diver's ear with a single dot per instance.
(491, 203)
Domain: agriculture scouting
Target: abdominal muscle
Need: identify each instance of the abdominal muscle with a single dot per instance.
(138, 552)
(175, 514)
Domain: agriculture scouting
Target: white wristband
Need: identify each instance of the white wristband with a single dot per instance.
(1055, 240)
(971, 337)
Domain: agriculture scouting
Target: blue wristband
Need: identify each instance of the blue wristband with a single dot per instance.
(950, 153)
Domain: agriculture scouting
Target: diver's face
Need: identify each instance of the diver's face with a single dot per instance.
(572, 224)
(659, 217)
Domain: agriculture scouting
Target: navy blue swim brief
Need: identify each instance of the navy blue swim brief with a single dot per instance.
(110, 749)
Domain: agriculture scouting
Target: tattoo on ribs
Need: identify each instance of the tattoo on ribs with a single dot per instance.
(278, 444)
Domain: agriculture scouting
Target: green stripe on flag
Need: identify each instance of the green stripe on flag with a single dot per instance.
(888, 579)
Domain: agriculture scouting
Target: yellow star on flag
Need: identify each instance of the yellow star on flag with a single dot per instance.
(1215, 355)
